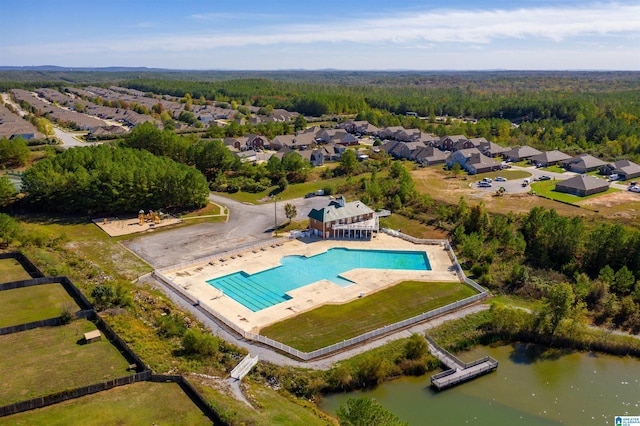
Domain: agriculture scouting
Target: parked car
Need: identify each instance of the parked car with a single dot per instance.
(310, 194)
(500, 179)
(544, 177)
(483, 184)
(634, 188)
(489, 180)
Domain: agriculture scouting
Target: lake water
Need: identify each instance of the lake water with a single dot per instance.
(532, 386)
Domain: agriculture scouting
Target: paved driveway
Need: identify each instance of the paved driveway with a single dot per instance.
(514, 186)
(248, 224)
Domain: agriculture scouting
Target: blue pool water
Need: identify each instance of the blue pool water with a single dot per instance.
(267, 288)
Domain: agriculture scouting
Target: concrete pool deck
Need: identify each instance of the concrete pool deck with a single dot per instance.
(193, 279)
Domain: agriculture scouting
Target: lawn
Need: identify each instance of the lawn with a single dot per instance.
(547, 189)
(143, 403)
(554, 169)
(274, 408)
(28, 304)
(45, 360)
(413, 227)
(89, 242)
(330, 324)
(11, 270)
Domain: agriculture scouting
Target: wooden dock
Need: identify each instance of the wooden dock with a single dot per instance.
(458, 371)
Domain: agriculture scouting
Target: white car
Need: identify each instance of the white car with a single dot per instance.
(500, 179)
(484, 184)
(634, 189)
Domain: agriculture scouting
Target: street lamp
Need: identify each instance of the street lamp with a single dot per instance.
(275, 214)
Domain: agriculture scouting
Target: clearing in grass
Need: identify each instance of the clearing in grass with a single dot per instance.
(45, 360)
(11, 270)
(143, 403)
(330, 324)
(35, 303)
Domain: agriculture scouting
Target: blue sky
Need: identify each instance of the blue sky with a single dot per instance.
(346, 34)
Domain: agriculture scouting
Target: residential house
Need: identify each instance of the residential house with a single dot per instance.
(314, 156)
(282, 141)
(337, 136)
(473, 161)
(625, 169)
(342, 219)
(429, 155)
(390, 132)
(447, 143)
(362, 127)
(332, 152)
(520, 153)
(582, 185)
(549, 158)
(248, 156)
(583, 163)
(492, 149)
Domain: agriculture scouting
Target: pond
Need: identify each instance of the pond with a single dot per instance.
(532, 386)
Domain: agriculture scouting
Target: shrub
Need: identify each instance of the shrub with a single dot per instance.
(171, 325)
(198, 343)
(67, 313)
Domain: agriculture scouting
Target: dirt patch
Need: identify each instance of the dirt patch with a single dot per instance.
(612, 199)
(116, 226)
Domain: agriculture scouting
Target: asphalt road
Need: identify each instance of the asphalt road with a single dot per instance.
(514, 186)
(248, 224)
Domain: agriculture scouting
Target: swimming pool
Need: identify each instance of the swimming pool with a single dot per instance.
(269, 287)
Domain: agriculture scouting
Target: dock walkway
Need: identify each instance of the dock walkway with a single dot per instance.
(458, 371)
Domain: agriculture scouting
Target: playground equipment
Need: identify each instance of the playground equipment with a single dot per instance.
(151, 216)
(500, 192)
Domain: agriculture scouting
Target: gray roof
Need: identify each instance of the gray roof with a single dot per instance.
(522, 152)
(584, 183)
(550, 157)
(586, 160)
(334, 211)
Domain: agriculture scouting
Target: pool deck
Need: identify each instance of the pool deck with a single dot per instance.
(367, 281)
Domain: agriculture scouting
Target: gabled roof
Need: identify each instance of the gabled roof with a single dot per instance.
(524, 151)
(550, 157)
(585, 160)
(626, 168)
(492, 148)
(339, 209)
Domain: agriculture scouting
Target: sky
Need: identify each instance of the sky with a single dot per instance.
(323, 34)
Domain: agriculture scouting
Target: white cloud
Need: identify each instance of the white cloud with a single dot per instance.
(426, 30)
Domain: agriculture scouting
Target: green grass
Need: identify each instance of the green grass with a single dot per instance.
(413, 227)
(44, 360)
(11, 270)
(89, 242)
(554, 169)
(330, 324)
(547, 189)
(143, 403)
(515, 301)
(28, 304)
(273, 408)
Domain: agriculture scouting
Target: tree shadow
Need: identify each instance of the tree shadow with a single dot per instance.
(530, 353)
